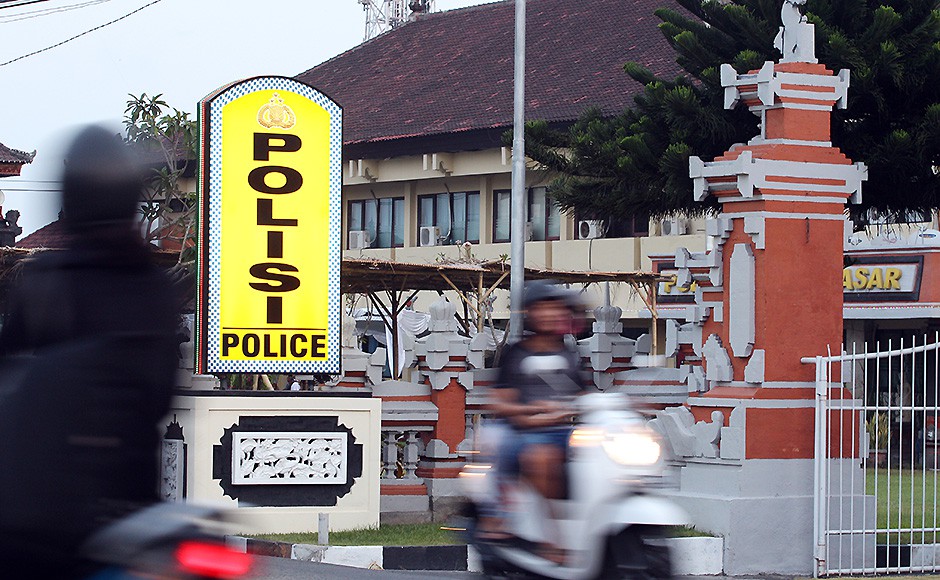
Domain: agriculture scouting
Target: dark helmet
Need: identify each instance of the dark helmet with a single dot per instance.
(539, 290)
(101, 184)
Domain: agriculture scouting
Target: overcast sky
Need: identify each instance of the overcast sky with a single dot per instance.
(182, 48)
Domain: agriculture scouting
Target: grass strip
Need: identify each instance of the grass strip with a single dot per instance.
(688, 532)
(906, 499)
(410, 535)
(388, 535)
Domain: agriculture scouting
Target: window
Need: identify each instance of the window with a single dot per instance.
(542, 213)
(457, 214)
(635, 227)
(383, 219)
(502, 206)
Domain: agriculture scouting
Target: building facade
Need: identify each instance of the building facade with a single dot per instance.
(427, 108)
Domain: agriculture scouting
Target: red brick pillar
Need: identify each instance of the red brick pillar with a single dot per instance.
(451, 404)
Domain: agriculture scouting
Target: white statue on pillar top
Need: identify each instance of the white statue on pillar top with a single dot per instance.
(796, 40)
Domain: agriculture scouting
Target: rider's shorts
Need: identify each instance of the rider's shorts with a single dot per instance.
(517, 440)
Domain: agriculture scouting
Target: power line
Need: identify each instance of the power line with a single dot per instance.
(44, 11)
(31, 189)
(14, 3)
(99, 27)
(48, 11)
(16, 181)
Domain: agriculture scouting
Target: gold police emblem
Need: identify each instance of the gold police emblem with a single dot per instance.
(275, 113)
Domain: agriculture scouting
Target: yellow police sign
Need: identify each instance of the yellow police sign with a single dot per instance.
(270, 213)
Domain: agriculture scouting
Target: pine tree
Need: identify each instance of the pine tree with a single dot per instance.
(637, 163)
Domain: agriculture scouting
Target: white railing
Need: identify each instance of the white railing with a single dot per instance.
(401, 450)
(876, 478)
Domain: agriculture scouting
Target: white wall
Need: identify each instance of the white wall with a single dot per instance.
(205, 418)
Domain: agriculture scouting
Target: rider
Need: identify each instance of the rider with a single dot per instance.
(537, 377)
(91, 332)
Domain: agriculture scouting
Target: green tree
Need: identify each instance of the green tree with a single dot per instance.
(168, 210)
(637, 162)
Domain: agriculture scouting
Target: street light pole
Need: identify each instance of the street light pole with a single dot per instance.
(518, 211)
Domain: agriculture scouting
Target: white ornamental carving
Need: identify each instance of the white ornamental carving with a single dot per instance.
(293, 458)
(171, 470)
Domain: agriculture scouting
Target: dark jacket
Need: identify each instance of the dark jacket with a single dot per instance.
(89, 357)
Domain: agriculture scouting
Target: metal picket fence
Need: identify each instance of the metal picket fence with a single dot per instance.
(876, 468)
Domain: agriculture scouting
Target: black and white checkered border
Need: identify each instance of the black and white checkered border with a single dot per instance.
(441, 558)
(214, 363)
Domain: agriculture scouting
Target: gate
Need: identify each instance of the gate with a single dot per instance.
(876, 468)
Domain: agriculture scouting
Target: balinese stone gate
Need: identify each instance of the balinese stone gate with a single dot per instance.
(443, 360)
(769, 292)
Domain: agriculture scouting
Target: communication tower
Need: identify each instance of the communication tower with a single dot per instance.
(384, 15)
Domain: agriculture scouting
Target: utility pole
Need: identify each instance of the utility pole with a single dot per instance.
(518, 211)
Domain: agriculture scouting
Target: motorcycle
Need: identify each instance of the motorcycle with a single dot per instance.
(610, 524)
(170, 541)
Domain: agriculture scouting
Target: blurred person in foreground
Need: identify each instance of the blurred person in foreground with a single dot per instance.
(538, 378)
(89, 356)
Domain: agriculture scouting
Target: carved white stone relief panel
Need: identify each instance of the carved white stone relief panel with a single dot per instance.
(297, 458)
(171, 470)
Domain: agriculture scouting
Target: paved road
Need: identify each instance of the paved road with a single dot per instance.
(285, 569)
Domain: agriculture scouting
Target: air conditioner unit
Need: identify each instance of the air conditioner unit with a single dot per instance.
(590, 229)
(673, 226)
(430, 235)
(529, 235)
(359, 239)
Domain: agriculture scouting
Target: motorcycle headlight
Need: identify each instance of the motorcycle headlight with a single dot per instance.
(586, 437)
(631, 447)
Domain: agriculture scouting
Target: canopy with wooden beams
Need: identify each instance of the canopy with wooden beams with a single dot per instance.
(368, 276)
(473, 282)
(361, 275)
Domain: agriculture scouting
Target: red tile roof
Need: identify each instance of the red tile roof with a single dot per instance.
(53, 236)
(9, 155)
(452, 71)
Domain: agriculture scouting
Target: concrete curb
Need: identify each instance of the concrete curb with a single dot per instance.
(691, 556)
(697, 556)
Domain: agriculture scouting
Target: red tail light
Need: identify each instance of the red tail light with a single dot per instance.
(212, 560)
